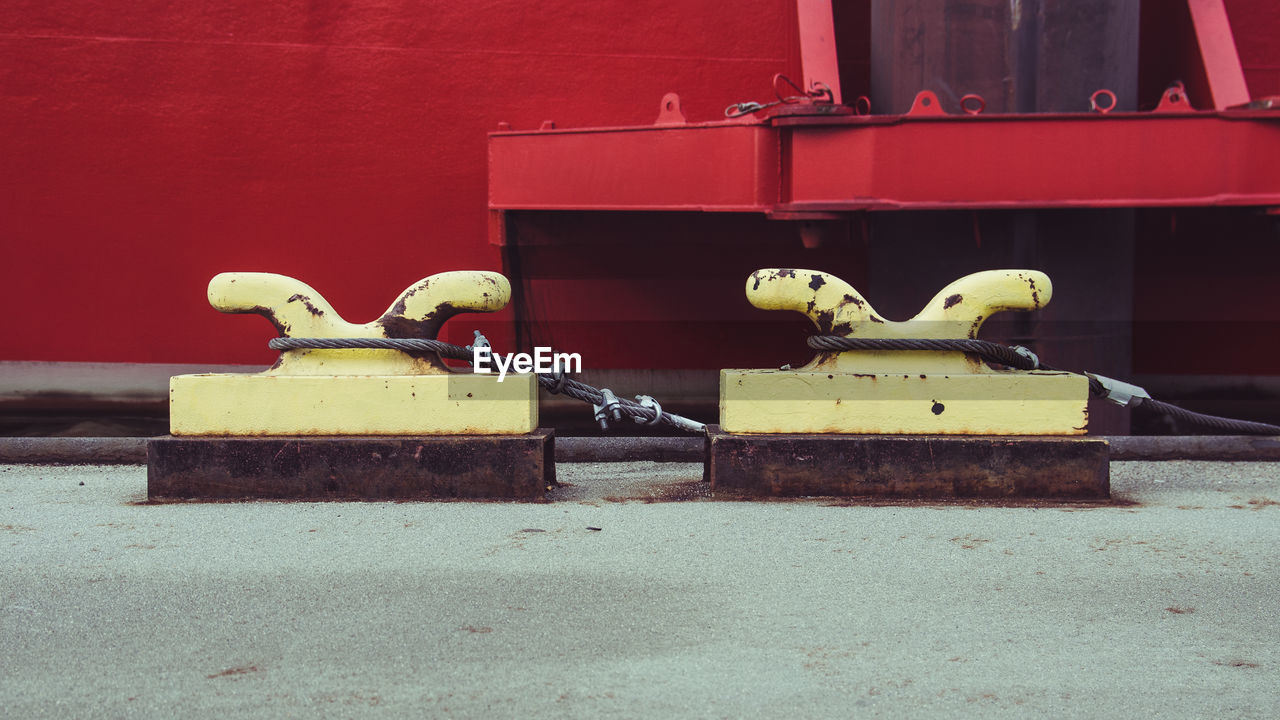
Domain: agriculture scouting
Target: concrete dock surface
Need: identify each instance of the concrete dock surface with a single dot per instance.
(635, 594)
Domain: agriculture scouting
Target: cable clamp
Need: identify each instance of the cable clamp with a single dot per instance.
(561, 378)
(649, 402)
(1120, 393)
(481, 341)
(1024, 352)
(744, 108)
(608, 408)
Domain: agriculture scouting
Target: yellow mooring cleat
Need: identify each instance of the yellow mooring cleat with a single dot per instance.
(355, 391)
(901, 392)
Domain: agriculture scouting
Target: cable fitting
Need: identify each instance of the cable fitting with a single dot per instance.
(1120, 393)
(560, 378)
(481, 341)
(1024, 352)
(608, 409)
(648, 402)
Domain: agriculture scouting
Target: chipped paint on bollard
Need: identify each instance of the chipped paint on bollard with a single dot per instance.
(908, 466)
(790, 401)
(251, 405)
(904, 424)
(353, 424)
(358, 391)
(909, 392)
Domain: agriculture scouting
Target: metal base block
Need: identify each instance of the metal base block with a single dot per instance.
(516, 467)
(914, 466)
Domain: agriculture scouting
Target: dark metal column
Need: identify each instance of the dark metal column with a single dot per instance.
(1022, 56)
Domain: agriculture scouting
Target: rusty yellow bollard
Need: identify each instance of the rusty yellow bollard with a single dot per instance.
(901, 392)
(355, 392)
(903, 423)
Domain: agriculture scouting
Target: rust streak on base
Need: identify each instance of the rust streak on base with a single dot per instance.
(914, 466)
(516, 467)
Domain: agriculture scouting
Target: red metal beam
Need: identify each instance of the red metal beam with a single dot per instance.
(1218, 51)
(800, 164)
(818, 57)
(717, 166)
(1119, 160)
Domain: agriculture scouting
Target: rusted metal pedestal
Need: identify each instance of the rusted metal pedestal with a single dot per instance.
(908, 466)
(516, 467)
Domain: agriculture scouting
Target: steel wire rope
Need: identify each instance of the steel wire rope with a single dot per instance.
(553, 382)
(1015, 357)
(1023, 359)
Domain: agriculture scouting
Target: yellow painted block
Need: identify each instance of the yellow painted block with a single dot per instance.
(435, 404)
(802, 401)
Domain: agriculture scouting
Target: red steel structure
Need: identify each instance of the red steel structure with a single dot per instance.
(810, 157)
(801, 160)
(793, 166)
(151, 146)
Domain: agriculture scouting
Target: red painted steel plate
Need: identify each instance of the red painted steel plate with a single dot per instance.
(700, 167)
(895, 162)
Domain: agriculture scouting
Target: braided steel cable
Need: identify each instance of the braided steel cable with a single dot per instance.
(1023, 359)
(994, 352)
(1243, 427)
(1015, 357)
(555, 383)
(444, 349)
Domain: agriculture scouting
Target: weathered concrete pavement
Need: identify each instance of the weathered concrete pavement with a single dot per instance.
(1163, 608)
